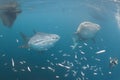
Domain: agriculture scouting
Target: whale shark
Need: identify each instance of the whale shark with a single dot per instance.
(40, 41)
(85, 31)
(9, 12)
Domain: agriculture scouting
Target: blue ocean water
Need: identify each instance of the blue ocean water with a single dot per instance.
(61, 17)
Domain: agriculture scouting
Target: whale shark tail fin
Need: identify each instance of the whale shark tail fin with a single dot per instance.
(24, 37)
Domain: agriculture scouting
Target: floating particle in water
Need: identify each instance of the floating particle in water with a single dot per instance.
(88, 65)
(70, 64)
(3, 55)
(110, 72)
(52, 54)
(61, 65)
(117, 14)
(63, 62)
(102, 74)
(60, 51)
(97, 59)
(76, 56)
(17, 79)
(78, 78)
(66, 75)
(51, 63)
(86, 78)
(48, 60)
(92, 67)
(77, 62)
(66, 55)
(91, 48)
(55, 58)
(22, 70)
(95, 73)
(12, 60)
(83, 74)
(50, 68)
(79, 46)
(5, 64)
(102, 39)
(84, 67)
(101, 51)
(22, 62)
(1, 36)
(14, 70)
(28, 49)
(82, 52)
(74, 73)
(73, 46)
(100, 69)
(83, 58)
(96, 69)
(83, 78)
(43, 68)
(17, 40)
(98, 48)
(36, 66)
(29, 69)
(85, 44)
(57, 76)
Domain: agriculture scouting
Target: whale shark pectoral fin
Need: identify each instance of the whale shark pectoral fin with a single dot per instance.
(8, 18)
(24, 37)
(75, 43)
(74, 46)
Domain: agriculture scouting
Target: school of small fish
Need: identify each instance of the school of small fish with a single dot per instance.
(77, 68)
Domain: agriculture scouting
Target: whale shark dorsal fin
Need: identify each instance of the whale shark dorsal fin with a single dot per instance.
(24, 37)
(41, 33)
(8, 18)
(34, 31)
